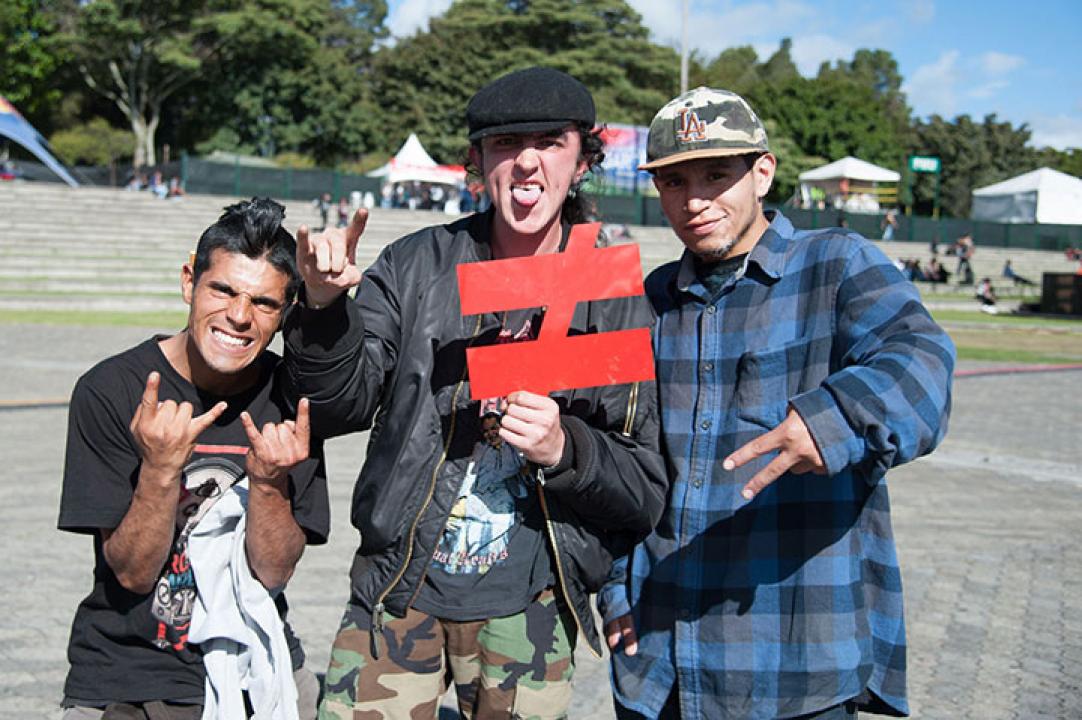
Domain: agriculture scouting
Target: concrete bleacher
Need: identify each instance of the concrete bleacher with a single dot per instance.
(103, 249)
(112, 250)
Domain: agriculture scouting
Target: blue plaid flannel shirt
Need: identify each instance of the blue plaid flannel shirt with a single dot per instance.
(792, 602)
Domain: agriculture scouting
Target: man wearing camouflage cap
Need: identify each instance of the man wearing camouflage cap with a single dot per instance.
(794, 368)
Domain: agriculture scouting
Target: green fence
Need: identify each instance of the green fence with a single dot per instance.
(925, 230)
(215, 178)
(646, 210)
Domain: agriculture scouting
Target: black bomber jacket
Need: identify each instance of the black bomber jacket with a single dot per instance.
(393, 360)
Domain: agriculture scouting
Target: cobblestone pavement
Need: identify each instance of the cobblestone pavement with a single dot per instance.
(987, 530)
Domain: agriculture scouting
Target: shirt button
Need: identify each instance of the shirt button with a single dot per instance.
(697, 482)
(708, 366)
(705, 424)
(711, 309)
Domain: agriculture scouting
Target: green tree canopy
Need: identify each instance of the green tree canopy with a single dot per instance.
(93, 143)
(292, 77)
(736, 69)
(30, 58)
(424, 82)
(278, 74)
(972, 154)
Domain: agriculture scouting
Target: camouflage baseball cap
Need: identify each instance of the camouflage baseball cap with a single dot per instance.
(703, 122)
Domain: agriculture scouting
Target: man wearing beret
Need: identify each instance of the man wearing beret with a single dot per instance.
(794, 368)
(474, 568)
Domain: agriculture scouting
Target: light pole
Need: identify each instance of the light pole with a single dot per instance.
(684, 47)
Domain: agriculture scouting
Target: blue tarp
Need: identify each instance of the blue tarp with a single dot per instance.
(14, 126)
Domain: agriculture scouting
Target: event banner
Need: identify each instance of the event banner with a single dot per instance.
(625, 150)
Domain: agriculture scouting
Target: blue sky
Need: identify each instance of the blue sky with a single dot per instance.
(1020, 60)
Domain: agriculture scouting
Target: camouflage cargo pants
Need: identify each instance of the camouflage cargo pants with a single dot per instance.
(518, 666)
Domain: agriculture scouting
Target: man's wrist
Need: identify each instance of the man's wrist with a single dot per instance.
(161, 477)
(270, 485)
(313, 301)
(566, 456)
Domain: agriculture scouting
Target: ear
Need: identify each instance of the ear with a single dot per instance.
(187, 282)
(581, 170)
(477, 159)
(763, 174)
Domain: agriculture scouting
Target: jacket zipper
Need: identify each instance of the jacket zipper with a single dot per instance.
(629, 421)
(559, 565)
(376, 633)
(632, 408)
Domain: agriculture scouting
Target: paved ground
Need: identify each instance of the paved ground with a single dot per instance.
(987, 530)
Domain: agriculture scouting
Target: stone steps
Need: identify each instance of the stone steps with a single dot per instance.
(100, 249)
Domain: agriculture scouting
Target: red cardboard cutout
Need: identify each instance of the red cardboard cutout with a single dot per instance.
(556, 282)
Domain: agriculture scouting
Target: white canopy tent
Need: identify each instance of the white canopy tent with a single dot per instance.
(852, 183)
(1041, 196)
(413, 163)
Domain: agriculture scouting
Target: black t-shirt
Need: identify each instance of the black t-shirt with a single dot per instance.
(127, 647)
(714, 275)
(491, 559)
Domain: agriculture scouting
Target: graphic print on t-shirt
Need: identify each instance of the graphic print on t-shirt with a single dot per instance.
(204, 481)
(475, 538)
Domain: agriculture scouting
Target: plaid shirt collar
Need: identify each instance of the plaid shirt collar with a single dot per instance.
(768, 257)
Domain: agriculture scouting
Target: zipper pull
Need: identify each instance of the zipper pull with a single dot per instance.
(377, 630)
(540, 476)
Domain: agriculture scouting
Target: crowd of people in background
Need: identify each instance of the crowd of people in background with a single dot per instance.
(414, 195)
(155, 183)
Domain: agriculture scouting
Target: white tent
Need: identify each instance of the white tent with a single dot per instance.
(851, 183)
(851, 168)
(1041, 196)
(412, 162)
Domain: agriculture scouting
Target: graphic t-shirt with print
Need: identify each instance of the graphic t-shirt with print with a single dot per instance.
(130, 647)
(491, 559)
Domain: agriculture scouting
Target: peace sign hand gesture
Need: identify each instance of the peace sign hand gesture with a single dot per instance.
(166, 432)
(328, 260)
(278, 448)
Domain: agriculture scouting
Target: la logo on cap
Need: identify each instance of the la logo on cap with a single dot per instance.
(689, 127)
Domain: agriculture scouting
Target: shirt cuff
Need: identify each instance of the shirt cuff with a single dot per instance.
(321, 332)
(566, 458)
(612, 601)
(838, 445)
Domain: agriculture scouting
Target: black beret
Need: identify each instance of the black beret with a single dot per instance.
(526, 101)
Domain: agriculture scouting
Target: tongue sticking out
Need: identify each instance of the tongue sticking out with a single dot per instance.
(526, 195)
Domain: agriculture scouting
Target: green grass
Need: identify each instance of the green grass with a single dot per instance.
(75, 294)
(1023, 357)
(949, 316)
(157, 319)
(967, 295)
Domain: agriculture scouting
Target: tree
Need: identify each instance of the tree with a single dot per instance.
(93, 143)
(139, 53)
(293, 76)
(971, 155)
(1068, 161)
(831, 119)
(780, 67)
(30, 60)
(791, 162)
(424, 82)
(736, 69)
(876, 70)
(274, 75)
